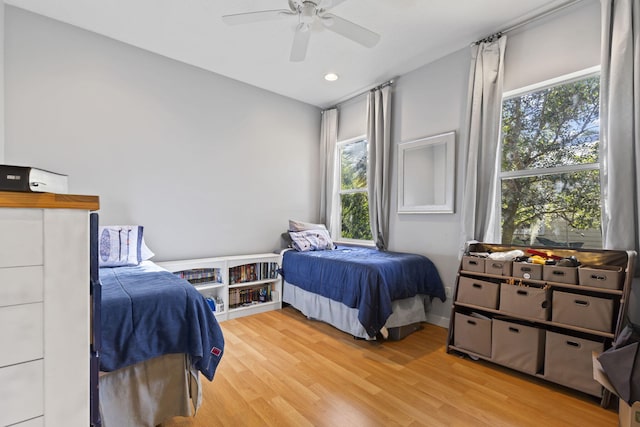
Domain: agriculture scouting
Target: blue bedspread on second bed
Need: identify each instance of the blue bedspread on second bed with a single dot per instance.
(363, 278)
(148, 312)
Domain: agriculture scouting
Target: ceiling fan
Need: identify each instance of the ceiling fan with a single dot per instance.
(308, 12)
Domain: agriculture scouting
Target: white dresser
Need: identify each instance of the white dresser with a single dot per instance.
(44, 309)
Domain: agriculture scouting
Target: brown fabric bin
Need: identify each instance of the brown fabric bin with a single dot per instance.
(527, 270)
(478, 292)
(553, 273)
(473, 263)
(526, 301)
(582, 310)
(500, 268)
(568, 361)
(603, 276)
(473, 334)
(517, 346)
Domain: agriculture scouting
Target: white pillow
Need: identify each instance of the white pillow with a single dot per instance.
(303, 226)
(145, 252)
(121, 245)
(311, 240)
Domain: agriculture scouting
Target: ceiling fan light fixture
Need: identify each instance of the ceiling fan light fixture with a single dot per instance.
(331, 77)
(308, 12)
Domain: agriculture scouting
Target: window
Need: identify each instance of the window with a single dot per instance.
(550, 175)
(354, 198)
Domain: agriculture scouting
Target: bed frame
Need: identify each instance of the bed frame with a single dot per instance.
(154, 378)
(150, 392)
(407, 317)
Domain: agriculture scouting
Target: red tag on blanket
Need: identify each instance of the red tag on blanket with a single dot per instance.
(216, 351)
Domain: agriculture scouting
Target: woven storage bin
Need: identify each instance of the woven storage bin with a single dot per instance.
(527, 270)
(473, 263)
(582, 310)
(500, 268)
(517, 346)
(603, 276)
(568, 361)
(525, 301)
(553, 273)
(473, 334)
(478, 292)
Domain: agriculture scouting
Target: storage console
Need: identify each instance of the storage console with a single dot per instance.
(543, 320)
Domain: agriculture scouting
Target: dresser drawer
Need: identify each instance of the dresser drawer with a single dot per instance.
(21, 392)
(21, 285)
(21, 231)
(21, 334)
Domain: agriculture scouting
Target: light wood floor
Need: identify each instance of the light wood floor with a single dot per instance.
(280, 369)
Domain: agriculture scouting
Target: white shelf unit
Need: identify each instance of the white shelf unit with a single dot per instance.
(229, 275)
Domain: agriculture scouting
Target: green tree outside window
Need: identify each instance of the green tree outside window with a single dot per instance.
(550, 179)
(354, 198)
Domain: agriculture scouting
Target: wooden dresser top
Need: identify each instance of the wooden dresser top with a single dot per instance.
(14, 199)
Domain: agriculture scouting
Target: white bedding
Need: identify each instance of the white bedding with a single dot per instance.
(405, 312)
(150, 392)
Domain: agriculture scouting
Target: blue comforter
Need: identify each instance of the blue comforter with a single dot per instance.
(363, 278)
(149, 312)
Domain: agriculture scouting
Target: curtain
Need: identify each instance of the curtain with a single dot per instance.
(378, 175)
(620, 123)
(329, 214)
(479, 201)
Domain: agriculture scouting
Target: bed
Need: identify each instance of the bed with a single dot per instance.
(362, 291)
(159, 337)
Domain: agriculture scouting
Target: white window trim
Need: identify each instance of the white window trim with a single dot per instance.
(339, 145)
(563, 79)
(527, 173)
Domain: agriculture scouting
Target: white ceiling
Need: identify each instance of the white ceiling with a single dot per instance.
(413, 33)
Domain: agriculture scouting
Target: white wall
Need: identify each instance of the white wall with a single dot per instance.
(432, 100)
(427, 102)
(210, 166)
(568, 42)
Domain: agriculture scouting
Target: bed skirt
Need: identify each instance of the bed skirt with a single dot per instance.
(150, 392)
(407, 313)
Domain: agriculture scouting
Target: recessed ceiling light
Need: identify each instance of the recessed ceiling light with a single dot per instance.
(331, 77)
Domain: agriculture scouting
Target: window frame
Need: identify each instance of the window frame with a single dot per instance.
(340, 191)
(529, 173)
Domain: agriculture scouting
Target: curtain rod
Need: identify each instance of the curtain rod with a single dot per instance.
(350, 97)
(529, 20)
(488, 38)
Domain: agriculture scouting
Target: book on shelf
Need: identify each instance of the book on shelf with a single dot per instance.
(253, 272)
(201, 275)
(239, 297)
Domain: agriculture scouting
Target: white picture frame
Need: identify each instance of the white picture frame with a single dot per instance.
(426, 175)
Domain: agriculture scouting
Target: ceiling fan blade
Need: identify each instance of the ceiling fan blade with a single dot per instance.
(350, 30)
(329, 4)
(249, 17)
(300, 43)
